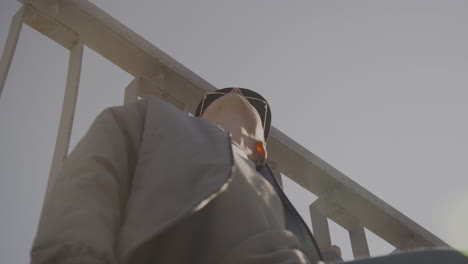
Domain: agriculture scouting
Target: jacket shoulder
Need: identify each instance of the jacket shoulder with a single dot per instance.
(141, 107)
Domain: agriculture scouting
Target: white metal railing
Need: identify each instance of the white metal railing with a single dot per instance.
(74, 23)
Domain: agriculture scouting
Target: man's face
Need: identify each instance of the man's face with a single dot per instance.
(235, 114)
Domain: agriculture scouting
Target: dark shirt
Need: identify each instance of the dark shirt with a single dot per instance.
(293, 220)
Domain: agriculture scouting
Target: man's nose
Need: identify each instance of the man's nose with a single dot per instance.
(237, 91)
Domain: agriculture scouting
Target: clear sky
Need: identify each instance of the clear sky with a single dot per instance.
(378, 89)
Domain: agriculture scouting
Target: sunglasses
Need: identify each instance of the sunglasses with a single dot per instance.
(260, 105)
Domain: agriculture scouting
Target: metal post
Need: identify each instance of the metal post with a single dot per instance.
(10, 46)
(319, 219)
(359, 245)
(68, 113)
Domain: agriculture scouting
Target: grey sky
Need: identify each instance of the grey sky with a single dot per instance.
(378, 89)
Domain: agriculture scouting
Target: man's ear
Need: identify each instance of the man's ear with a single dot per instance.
(260, 148)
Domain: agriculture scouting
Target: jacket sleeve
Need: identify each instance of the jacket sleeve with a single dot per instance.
(81, 218)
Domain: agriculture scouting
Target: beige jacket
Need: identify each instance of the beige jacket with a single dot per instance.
(151, 184)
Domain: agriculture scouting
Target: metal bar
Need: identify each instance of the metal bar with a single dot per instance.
(322, 179)
(319, 219)
(125, 48)
(10, 46)
(47, 25)
(359, 242)
(68, 113)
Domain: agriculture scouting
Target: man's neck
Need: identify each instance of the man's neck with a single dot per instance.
(246, 143)
(241, 135)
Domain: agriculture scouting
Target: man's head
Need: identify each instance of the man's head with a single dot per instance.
(241, 112)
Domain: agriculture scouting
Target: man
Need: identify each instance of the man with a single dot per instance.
(150, 184)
